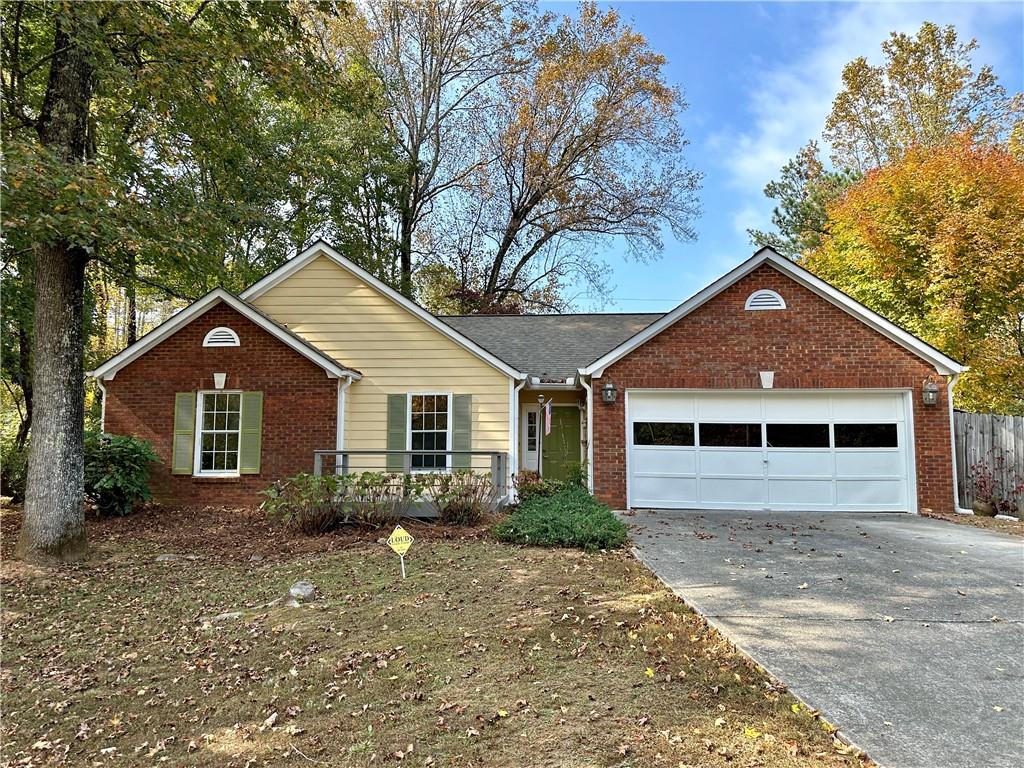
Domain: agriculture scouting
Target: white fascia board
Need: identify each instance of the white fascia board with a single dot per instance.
(943, 364)
(109, 369)
(321, 248)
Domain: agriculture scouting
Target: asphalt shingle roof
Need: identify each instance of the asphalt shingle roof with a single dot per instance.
(551, 347)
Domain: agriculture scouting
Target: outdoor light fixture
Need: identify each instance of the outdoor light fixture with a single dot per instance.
(930, 393)
(609, 392)
(219, 379)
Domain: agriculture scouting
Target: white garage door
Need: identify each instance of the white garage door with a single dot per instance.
(768, 450)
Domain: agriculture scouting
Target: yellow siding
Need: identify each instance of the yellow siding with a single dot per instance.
(395, 351)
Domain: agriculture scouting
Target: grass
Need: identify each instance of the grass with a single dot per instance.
(487, 655)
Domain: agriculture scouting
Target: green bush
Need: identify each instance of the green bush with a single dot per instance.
(305, 502)
(117, 472)
(529, 484)
(13, 469)
(570, 517)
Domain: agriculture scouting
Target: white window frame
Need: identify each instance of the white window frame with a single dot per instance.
(197, 455)
(208, 340)
(408, 430)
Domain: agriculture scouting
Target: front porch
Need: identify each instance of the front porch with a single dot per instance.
(554, 451)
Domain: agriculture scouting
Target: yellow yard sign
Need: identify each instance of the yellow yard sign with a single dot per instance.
(400, 540)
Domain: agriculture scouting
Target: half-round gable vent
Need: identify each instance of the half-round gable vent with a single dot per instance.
(221, 337)
(765, 299)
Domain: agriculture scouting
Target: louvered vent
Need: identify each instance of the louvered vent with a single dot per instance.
(221, 337)
(765, 299)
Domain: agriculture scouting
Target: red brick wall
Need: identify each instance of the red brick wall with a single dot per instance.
(811, 344)
(299, 404)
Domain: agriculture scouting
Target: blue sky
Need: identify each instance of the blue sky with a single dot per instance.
(759, 78)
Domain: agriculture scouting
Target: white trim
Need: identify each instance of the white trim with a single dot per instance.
(908, 420)
(213, 338)
(197, 456)
(339, 423)
(109, 369)
(103, 405)
(943, 364)
(589, 387)
(448, 422)
(321, 248)
(755, 301)
(514, 387)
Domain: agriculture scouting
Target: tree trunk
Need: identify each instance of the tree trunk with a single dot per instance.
(131, 309)
(405, 253)
(53, 528)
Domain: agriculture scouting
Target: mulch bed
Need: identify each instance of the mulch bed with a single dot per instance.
(230, 533)
(977, 521)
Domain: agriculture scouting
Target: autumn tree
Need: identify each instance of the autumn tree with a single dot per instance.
(582, 145)
(803, 190)
(935, 243)
(926, 90)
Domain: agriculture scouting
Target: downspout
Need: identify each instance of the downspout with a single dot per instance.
(339, 429)
(103, 405)
(952, 444)
(513, 442)
(587, 385)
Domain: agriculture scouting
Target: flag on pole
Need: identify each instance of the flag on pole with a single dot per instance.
(547, 419)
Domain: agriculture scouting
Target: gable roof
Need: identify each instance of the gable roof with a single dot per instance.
(321, 248)
(944, 364)
(551, 347)
(333, 368)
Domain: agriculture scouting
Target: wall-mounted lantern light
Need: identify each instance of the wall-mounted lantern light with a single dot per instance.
(609, 392)
(930, 393)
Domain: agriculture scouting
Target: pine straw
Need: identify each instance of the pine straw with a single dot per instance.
(487, 655)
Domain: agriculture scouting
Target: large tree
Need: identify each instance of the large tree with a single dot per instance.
(164, 142)
(935, 242)
(582, 144)
(926, 89)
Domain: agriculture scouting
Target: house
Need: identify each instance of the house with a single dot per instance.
(768, 389)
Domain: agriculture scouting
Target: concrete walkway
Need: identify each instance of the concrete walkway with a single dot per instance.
(907, 633)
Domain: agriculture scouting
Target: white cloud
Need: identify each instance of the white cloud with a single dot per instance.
(790, 98)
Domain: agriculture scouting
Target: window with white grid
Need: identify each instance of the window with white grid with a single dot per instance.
(428, 430)
(218, 433)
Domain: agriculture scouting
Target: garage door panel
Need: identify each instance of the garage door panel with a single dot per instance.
(796, 408)
(732, 491)
(887, 494)
(728, 408)
(678, 492)
(662, 407)
(796, 463)
(801, 493)
(731, 463)
(668, 460)
(860, 464)
(867, 407)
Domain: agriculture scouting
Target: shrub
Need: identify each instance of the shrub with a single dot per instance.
(377, 499)
(529, 483)
(461, 498)
(570, 517)
(13, 469)
(117, 472)
(305, 502)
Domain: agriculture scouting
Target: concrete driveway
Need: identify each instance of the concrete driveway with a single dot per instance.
(907, 633)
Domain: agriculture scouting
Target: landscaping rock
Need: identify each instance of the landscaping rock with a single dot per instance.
(170, 557)
(229, 616)
(256, 558)
(302, 591)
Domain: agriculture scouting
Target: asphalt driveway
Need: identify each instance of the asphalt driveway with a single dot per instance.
(907, 633)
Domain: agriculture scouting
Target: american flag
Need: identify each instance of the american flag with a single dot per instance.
(547, 419)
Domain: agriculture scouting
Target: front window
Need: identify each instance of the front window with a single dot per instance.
(218, 433)
(428, 430)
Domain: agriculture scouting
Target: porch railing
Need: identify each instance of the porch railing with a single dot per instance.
(348, 462)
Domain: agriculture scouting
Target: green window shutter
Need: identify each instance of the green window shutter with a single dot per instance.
(398, 418)
(184, 441)
(251, 437)
(462, 430)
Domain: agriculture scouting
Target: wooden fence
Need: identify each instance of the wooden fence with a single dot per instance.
(985, 437)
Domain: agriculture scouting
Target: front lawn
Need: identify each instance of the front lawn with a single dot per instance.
(487, 655)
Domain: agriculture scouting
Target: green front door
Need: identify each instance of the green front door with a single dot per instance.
(561, 449)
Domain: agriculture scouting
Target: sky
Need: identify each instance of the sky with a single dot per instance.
(759, 78)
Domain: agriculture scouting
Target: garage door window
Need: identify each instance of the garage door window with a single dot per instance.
(655, 433)
(866, 436)
(797, 435)
(730, 435)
